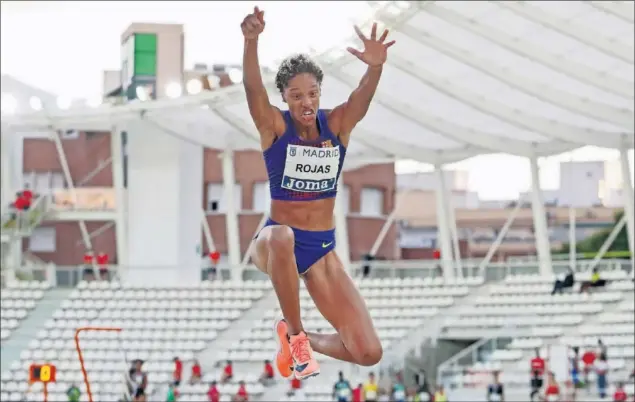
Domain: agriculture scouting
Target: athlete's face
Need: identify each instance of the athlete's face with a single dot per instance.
(303, 97)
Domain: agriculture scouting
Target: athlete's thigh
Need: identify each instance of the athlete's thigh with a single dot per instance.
(338, 300)
(260, 251)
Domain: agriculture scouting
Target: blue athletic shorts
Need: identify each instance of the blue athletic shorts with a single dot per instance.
(309, 246)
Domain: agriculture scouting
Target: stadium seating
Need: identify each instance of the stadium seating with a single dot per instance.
(158, 323)
(571, 319)
(395, 305)
(18, 299)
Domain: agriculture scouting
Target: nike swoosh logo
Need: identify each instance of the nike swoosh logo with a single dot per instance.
(325, 245)
(301, 367)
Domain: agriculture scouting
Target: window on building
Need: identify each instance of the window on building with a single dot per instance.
(262, 197)
(372, 202)
(42, 183)
(216, 197)
(42, 240)
(57, 181)
(344, 197)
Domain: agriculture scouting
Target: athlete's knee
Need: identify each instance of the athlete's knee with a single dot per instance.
(370, 354)
(280, 239)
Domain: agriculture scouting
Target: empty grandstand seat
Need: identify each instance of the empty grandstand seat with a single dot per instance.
(17, 301)
(525, 302)
(158, 324)
(395, 304)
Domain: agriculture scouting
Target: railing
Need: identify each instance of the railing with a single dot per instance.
(21, 223)
(454, 367)
(71, 275)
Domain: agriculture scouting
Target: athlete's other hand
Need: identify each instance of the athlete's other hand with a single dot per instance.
(253, 24)
(375, 50)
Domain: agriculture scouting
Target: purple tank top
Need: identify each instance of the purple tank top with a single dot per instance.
(302, 170)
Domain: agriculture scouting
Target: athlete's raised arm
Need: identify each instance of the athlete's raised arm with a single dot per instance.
(266, 117)
(347, 115)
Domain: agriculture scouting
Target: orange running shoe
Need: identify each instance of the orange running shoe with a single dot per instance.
(284, 361)
(305, 365)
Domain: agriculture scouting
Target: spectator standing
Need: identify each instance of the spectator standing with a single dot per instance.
(620, 394)
(267, 373)
(371, 389)
(495, 391)
(398, 392)
(537, 370)
(197, 373)
(138, 381)
(574, 365)
(178, 371)
(601, 371)
(241, 395)
(213, 394)
(440, 395)
(588, 358)
(73, 393)
(552, 392)
(228, 372)
(341, 389)
(102, 264)
(358, 393)
(172, 394)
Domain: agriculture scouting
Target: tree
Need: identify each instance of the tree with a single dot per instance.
(593, 243)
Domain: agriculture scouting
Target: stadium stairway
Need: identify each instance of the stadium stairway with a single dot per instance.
(209, 358)
(29, 327)
(425, 355)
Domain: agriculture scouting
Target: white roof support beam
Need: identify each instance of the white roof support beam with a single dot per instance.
(436, 124)
(516, 117)
(409, 151)
(590, 38)
(600, 111)
(616, 8)
(516, 45)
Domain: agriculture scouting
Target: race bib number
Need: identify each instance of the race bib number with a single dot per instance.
(310, 169)
(553, 398)
(494, 397)
(399, 395)
(372, 395)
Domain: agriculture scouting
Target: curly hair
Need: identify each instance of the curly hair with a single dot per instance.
(294, 65)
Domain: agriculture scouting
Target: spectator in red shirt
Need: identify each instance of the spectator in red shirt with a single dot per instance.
(267, 374)
(228, 372)
(296, 385)
(537, 372)
(89, 273)
(178, 371)
(552, 392)
(197, 373)
(588, 358)
(212, 393)
(241, 395)
(102, 263)
(358, 393)
(620, 394)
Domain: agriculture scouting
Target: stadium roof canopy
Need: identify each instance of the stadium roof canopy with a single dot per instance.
(529, 78)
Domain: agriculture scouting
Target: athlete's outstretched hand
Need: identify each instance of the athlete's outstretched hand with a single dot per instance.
(253, 24)
(375, 50)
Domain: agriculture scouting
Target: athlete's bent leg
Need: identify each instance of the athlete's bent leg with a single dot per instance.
(339, 301)
(274, 255)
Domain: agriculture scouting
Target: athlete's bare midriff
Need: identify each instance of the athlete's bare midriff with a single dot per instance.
(314, 215)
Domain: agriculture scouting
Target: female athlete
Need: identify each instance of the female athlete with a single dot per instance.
(304, 149)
